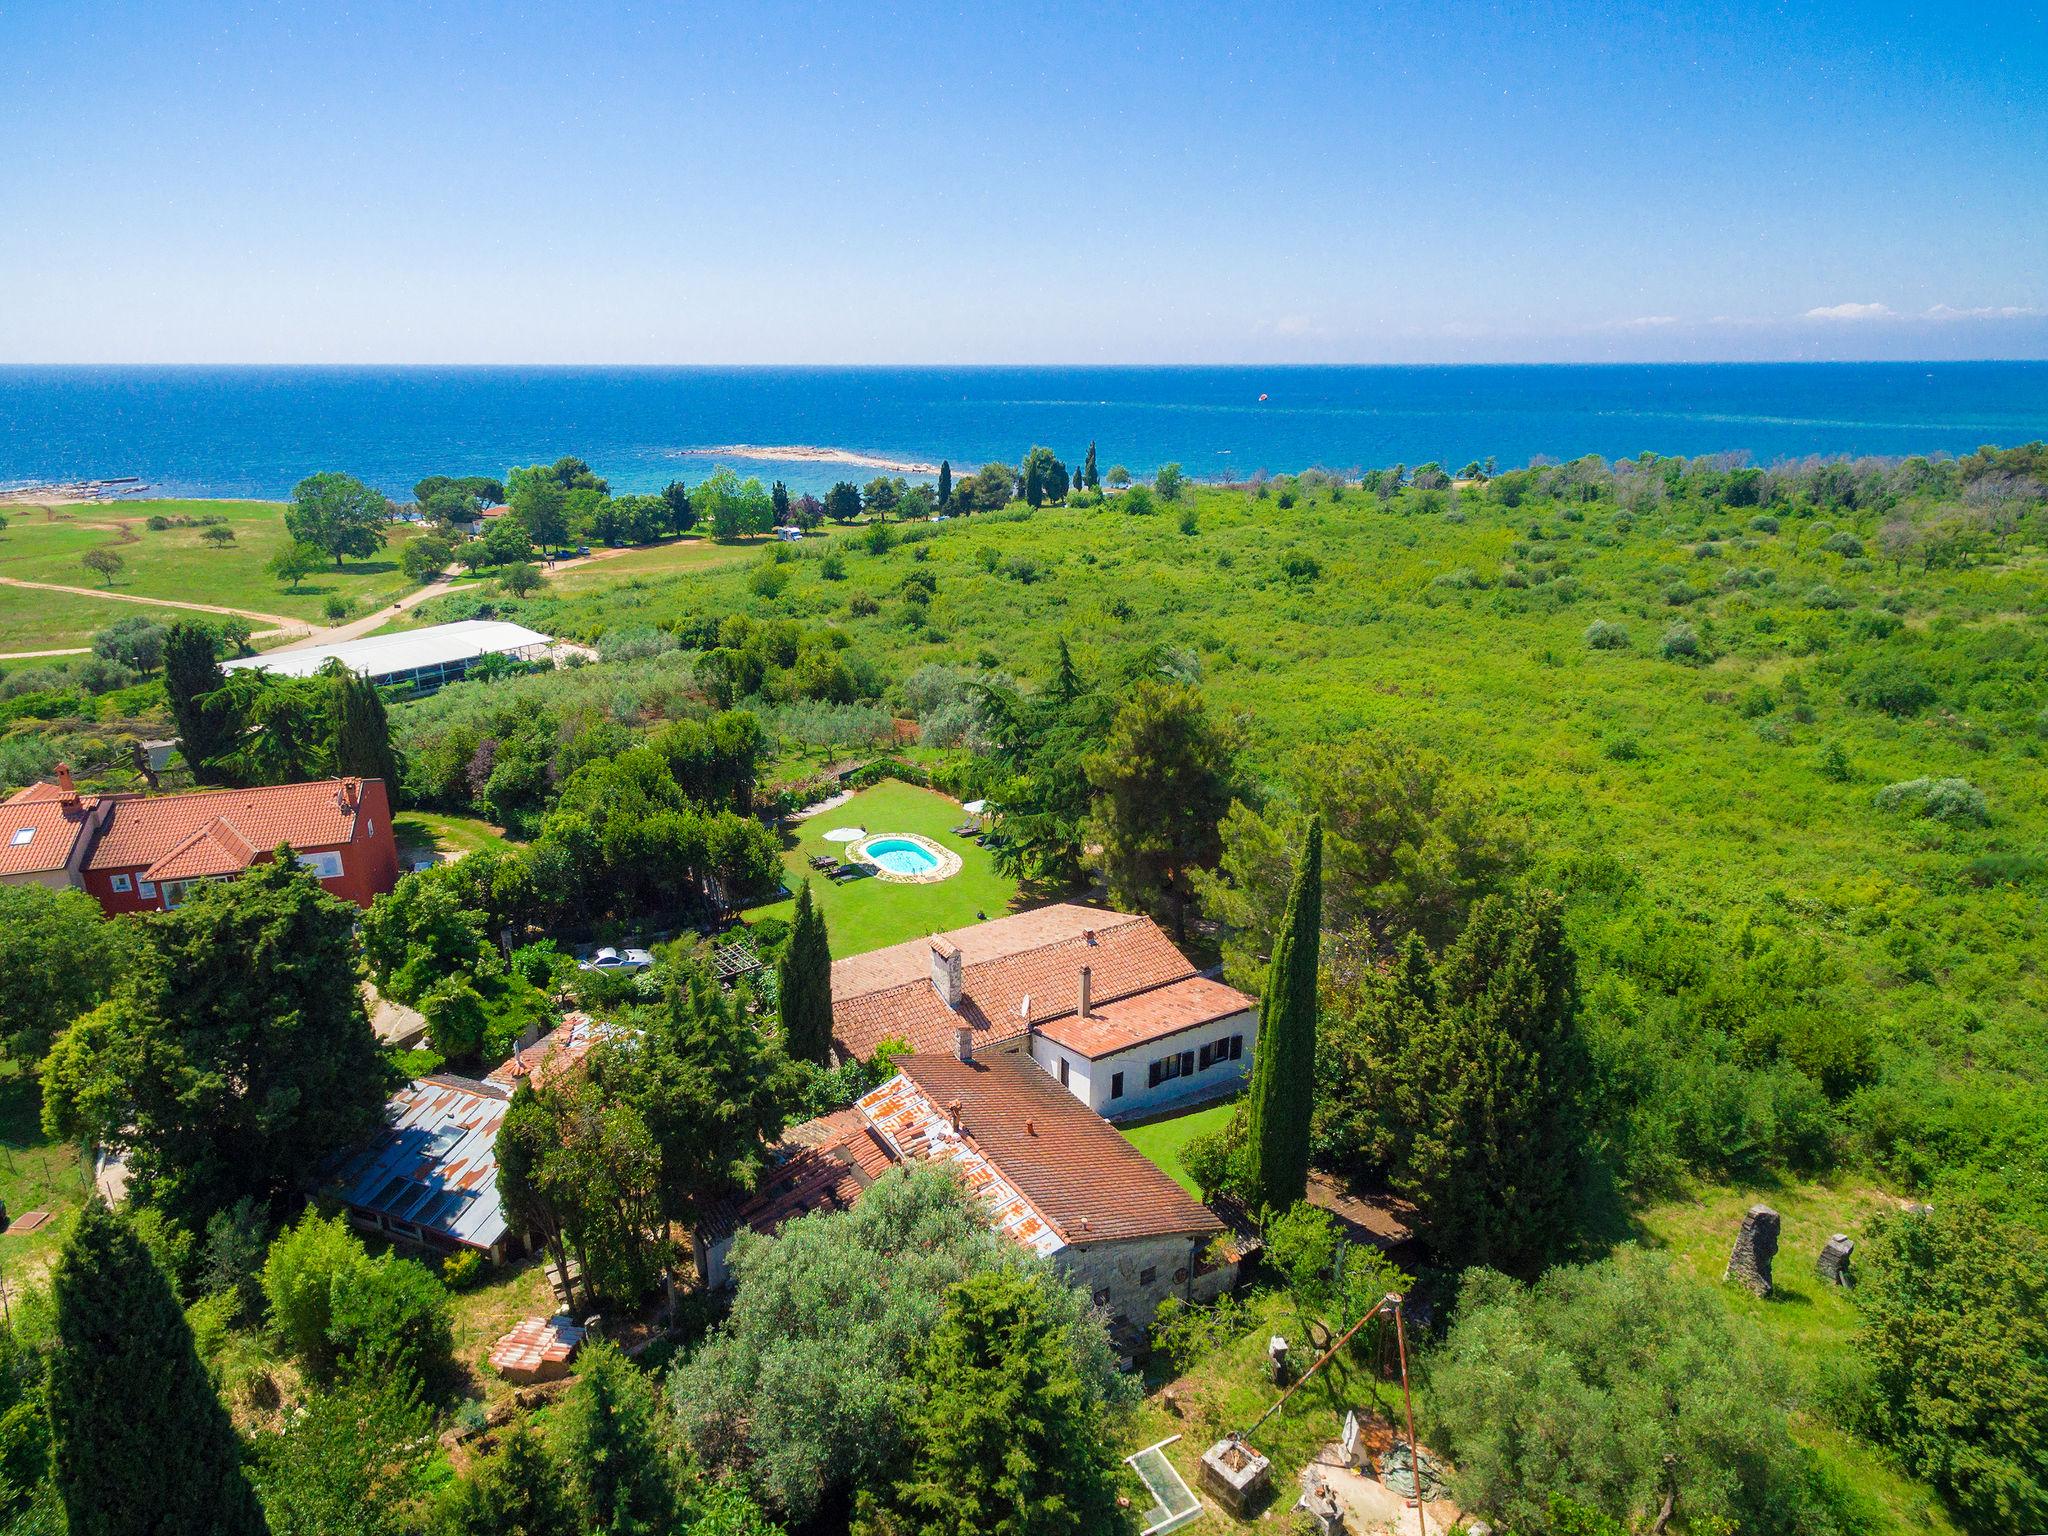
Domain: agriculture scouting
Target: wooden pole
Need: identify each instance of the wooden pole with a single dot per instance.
(1302, 1380)
(1408, 1402)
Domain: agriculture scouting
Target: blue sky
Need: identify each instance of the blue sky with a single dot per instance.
(604, 182)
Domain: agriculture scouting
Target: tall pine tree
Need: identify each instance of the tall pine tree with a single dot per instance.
(606, 1436)
(1284, 1071)
(1088, 474)
(1488, 1087)
(140, 1444)
(191, 674)
(805, 984)
(1005, 1435)
(945, 481)
(362, 732)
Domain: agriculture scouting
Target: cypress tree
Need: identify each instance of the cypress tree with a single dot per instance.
(362, 731)
(1066, 677)
(140, 1444)
(517, 1492)
(805, 978)
(1088, 471)
(1283, 1075)
(945, 481)
(191, 672)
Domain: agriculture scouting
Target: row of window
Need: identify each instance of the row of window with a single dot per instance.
(326, 865)
(1188, 1063)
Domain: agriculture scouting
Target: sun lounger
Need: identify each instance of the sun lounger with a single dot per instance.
(965, 829)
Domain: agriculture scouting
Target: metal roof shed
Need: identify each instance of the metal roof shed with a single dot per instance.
(431, 1176)
(426, 658)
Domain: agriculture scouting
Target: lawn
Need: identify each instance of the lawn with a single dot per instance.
(688, 553)
(436, 832)
(1809, 1320)
(1161, 1139)
(36, 1174)
(47, 621)
(869, 914)
(44, 544)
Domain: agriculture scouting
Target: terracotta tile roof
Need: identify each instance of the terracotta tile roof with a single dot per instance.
(54, 821)
(1088, 1182)
(1147, 1016)
(555, 1052)
(178, 836)
(821, 1165)
(1033, 957)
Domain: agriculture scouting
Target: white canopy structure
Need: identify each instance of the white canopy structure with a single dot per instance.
(427, 658)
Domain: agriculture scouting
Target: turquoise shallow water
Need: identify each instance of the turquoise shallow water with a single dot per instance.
(256, 431)
(901, 858)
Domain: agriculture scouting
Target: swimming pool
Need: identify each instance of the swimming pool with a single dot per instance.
(900, 856)
(906, 856)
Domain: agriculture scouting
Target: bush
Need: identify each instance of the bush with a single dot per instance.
(389, 1318)
(1955, 801)
(1821, 595)
(1844, 544)
(298, 1284)
(1894, 686)
(1605, 635)
(1764, 524)
(1681, 643)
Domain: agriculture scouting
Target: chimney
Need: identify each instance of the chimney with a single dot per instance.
(1087, 989)
(345, 794)
(1088, 937)
(948, 971)
(963, 1043)
(1030, 1127)
(69, 797)
(953, 1114)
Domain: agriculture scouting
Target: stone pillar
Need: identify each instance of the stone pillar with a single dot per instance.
(1755, 1246)
(1833, 1264)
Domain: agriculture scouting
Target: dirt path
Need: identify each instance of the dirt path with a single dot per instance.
(355, 629)
(277, 621)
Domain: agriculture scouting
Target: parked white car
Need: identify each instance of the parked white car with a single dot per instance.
(623, 961)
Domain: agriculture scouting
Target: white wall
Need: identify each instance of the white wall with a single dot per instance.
(1090, 1081)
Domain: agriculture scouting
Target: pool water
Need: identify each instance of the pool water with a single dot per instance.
(900, 856)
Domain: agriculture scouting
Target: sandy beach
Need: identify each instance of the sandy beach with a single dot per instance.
(810, 453)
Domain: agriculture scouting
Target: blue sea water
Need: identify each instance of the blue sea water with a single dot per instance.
(257, 431)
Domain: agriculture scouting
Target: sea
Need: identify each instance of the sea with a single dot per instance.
(256, 431)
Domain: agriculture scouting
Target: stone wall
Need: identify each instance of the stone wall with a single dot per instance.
(1115, 1273)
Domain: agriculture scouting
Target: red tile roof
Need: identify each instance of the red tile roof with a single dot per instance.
(555, 1052)
(821, 1165)
(54, 819)
(1033, 958)
(221, 831)
(1074, 1166)
(1147, 1016)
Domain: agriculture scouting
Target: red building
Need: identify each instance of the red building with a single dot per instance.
(137, 853)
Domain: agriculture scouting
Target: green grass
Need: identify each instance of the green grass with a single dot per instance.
(438, 832)
(1808, 1320)
(1228, 1390)
(47, 621)
(177, 563)
(869, 914)
(1161, 1140)
(35, 1174)
(688, 553)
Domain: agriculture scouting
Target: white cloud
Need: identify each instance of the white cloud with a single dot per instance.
(1644, 323)
(1983, 312)
(1852, 312)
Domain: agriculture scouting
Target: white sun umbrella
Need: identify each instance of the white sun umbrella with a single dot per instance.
(845, 835)
(975, 807)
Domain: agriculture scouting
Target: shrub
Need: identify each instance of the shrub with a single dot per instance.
(1678, 594)
(1821, 595)
(1764, 524)
(298, 1284)
(1954, 801)
(832, 567)
(1681, 643)
(1605, 635)
(1892, 685)
(1843, 544)
(1622, 749)
(388, 1317)
(863, 604)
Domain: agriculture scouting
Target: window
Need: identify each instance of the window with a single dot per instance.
(1187, 1062)
(1167, 1067)
(1236, 1046)
(1116, 1085)
(1147, 1275)
(1180, 1275)
(326, 865)
(121, 883)
(1063, 1071)
(1207, 1056)
(174, 892)
(146, 889)
(369, 826)
(23, 837)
